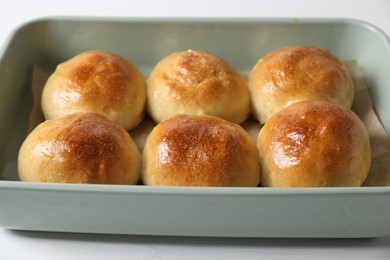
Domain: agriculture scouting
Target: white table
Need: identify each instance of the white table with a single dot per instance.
(43, 245)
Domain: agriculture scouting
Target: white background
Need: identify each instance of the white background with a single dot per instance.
(42, 245)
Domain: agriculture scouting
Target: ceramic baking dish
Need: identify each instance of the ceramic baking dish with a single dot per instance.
(184, 211)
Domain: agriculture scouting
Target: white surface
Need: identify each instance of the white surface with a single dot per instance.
(41, 245)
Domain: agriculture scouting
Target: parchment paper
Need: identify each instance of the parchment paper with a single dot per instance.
(380, 142)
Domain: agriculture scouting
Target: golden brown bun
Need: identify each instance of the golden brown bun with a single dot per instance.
(96, 81)
(186, 150)
(79, 148)
(314, 144)
(296, 73)
(197, 83)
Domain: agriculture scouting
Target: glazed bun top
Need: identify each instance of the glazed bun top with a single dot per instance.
(197, 83)
(296, 73)
(96, 81)
(186, 150)
(314, 144)
(79, 148)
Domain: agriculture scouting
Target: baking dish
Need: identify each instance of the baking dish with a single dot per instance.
(184, 211)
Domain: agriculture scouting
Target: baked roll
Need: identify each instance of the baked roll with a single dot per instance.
(314, 144)
(96, 81)
(197, 83)
(296, 73)
(79, 148)
(186, 150)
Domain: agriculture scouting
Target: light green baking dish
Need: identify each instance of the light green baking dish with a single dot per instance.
(185, 211)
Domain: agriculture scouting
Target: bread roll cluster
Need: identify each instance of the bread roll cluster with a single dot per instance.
(89, 103)
(301, 95)
(310, 137)
(198, 99)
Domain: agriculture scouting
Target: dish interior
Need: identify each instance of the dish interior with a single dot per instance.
(48, 42)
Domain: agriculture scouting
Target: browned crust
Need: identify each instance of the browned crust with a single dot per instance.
(201, 151)
(314, 143)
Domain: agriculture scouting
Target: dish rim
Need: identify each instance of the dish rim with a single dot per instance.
(184, 190)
